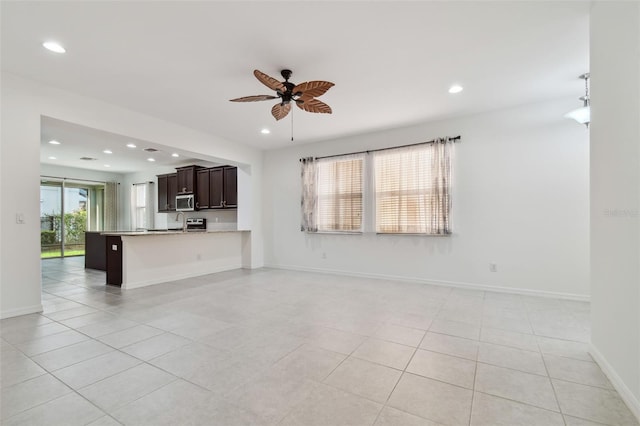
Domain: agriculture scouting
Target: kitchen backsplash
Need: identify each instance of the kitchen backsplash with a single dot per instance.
(219, 220)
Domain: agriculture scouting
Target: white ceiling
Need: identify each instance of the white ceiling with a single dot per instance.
(391, 62)
(79, 141)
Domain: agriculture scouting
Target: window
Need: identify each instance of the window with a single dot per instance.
(339, 191)
(142, 205)
(412, 193)
(408, 191)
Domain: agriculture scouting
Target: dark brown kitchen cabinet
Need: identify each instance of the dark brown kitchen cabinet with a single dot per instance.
(187, 179)
(114, 260)
(167, 189)
(223, 187)
(202, 185)
(230, 186)
(216, 186)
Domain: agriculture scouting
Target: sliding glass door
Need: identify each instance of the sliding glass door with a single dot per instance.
(67, 210)
(51, 219)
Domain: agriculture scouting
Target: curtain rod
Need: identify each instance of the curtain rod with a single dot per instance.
(72, 179)
(452, 139)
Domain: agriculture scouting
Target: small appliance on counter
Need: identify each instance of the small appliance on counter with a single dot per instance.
(196, 224)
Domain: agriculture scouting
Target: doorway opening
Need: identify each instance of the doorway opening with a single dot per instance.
(67, 210)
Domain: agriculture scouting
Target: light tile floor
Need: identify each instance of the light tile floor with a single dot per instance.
(273, 347)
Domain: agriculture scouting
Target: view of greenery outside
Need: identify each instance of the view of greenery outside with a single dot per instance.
(75, 224)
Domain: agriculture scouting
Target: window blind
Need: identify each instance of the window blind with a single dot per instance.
(339, 189)
(142, 205)
(412, 189)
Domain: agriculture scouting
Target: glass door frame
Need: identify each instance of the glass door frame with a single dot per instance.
(87, 184)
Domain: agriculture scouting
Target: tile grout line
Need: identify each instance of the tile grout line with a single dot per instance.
(415, 351)
(442, 304)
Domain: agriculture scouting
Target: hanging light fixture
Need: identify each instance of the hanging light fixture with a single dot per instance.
(582, 115)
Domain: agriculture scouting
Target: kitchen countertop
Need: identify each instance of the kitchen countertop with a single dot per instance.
(165, 232)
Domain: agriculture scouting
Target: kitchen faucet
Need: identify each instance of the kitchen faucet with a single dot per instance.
(184, 221)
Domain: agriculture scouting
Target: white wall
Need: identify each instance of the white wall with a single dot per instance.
(520, 199)
(615, 194)
(23, 104)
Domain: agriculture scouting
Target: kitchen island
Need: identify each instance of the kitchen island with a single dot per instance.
(142, 258)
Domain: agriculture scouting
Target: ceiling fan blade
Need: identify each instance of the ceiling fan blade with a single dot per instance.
(270, 82)
(313, 89)
(313, 105)
(254, 98)
(280, 111)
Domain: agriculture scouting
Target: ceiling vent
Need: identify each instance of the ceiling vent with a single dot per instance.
(150, 150)
(88, 158)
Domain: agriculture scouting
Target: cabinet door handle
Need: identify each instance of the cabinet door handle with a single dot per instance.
(197, 205)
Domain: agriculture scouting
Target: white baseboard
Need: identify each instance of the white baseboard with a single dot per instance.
(138, 284)
(21, 311)
(471, 286)
(625, 393)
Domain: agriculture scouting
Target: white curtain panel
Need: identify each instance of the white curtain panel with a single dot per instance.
(309, 201)
(111, 206)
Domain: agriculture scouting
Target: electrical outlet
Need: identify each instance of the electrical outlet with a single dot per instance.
(20, 218)
(199, 256)
(324, 255)
(493, 267)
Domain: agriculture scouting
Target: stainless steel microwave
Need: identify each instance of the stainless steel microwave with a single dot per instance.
(185, 203)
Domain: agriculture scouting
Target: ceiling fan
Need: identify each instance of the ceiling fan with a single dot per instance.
(303, 94)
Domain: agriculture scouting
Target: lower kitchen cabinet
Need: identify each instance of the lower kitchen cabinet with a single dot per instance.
(95, 251)
(114, 260)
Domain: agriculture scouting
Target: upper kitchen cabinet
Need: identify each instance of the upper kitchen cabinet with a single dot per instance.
(202, 186)
(167, 189)
(223, 187)
(187, 179)
(230, 186)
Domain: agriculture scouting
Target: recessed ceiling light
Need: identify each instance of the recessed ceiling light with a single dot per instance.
(107, 165)
(107, 151)
(265, 131)
(151, 159)
(54, 142)
(131, 145)
(53, 46)
(52, 158)
(175, 155)
(456, 88)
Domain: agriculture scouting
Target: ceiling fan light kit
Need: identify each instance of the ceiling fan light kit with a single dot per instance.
(303, 94)
(582, 115)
